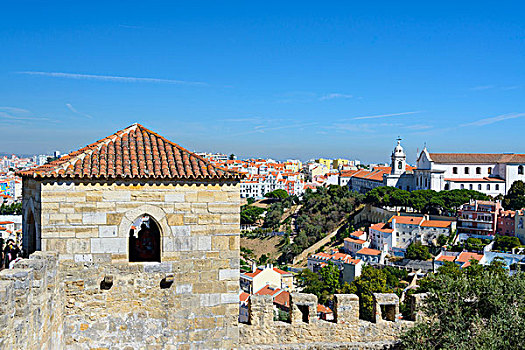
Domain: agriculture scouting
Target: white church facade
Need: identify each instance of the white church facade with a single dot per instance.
(489, 173)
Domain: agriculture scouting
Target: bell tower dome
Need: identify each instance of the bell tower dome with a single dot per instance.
(398, 159)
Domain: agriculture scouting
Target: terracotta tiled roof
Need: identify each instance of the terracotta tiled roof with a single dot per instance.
(466, 256)
(267, 290)
(243, 297)
(357, 241)
(436, 223)
(477, 158)
(282, 299)
(446, 258)
(134, 152)
(285, 273)
(381, 227)
(323, 309)
(408, 220)
(369, 251)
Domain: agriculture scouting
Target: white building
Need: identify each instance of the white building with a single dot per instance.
(489, 173)
(400, 231)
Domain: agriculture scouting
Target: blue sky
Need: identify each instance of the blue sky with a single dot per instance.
(276, 79)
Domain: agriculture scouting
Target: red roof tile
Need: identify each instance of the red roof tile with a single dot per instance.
(283, 299)
(134, 152)
(369, 251)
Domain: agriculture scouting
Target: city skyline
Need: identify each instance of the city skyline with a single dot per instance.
(279, 80)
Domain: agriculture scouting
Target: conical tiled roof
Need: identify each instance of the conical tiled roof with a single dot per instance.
(135, 153)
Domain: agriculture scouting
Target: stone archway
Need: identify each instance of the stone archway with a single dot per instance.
(31, 240)
(155, 213)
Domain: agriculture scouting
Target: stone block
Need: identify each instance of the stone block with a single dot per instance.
(174, 197)
(108, 245)
(175, 219)
(205, 196)
(228, 274)
(182, 244)
(210, 299)
(224, 208)
(346, 308)
(183, 230)
(107, 231)
(184, 288)
(202, 243)
(116, 196)
(94, 218)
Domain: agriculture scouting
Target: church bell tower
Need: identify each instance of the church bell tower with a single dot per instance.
(398, 159)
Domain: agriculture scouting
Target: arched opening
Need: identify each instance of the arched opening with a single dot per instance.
(144, 240)
(489, 170)
(31, 233)
(447, 187)
(520, 170)
(478, 170)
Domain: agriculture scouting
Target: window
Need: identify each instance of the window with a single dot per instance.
(497, 187)
(400, 165)
(466, 170)
(455, 170)
(478, 170)
(520, 170)
(489, 170)
(447, 187)
(470, 187)
(479, 187)
(144, 245)
(462, 186)
(488, 187)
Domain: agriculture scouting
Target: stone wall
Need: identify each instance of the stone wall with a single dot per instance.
(31, 305)
(306, 331)
(82, 219)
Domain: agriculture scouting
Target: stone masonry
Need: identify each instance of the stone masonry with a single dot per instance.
(346, 332)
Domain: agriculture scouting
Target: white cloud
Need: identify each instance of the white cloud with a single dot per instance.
(496, 119)
(111, 78)
(386, 115)
(15, 110)
(334, 95)
(73, 109)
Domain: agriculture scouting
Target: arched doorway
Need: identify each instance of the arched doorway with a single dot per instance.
(144, 239)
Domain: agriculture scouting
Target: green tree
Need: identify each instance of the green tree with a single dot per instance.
(250, 214)
(474, 244)
(506, 243)
(277, 194)
(11, 209)
(473, 308)
(330, 276)
(417, 251)
(371, 281)
(515, 197)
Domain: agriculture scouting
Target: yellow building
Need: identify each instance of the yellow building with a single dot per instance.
(325, 162)
(337, 163)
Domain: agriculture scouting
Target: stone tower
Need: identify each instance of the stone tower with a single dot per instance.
(147, 236)
(398, 159)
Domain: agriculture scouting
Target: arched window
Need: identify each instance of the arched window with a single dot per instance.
(478, 170)
(497, 187)
(144, 240)
(400, 165)
(479, 187)
(488, 187)
(462, 186)
(31, 233)
(520, 170)
(489, 170)
(470, 187)
(466, 170)
(455, 170)
(447, 187)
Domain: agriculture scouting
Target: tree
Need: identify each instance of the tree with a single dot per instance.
(371, 281)
(277, 194)
(473, 308)
(250, 214)
(506, 243)
(330, 276)
(417, 251)
(515, 197)
(250, 200)
(11, 209)
(474, 244)
(273, 215)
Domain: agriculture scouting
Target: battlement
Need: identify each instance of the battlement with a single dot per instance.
(305, 328)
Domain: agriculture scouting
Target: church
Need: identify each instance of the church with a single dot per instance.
(489, 173)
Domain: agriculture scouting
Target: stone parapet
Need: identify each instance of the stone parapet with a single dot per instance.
(347, 332)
